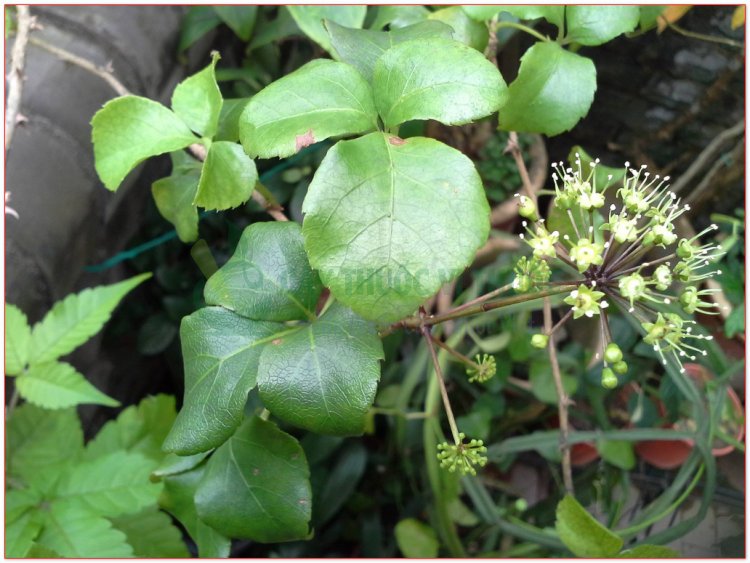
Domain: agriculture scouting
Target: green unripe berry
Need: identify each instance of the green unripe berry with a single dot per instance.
(620, 368)
(612, 353)
(527, 209)
(609, 379)
(521, 505)
(539, 340)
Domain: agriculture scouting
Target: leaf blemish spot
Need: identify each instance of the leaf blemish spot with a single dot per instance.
(256, 471)
(277, 341)
(396, 141)
(302, 141)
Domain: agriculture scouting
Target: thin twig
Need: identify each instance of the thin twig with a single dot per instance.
(703, 37)
(514, 148)
(102, 72)
(443, 391)
(15, 75)
(455, 353)
(562, 400)
(482, 298)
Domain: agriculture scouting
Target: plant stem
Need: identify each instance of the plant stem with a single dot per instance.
(561, 322)
(562, 400)
(483, 298)
(522, 27)
(514, 148)
(443, 391)
(15, 74)
(703, 37)
(455, 353)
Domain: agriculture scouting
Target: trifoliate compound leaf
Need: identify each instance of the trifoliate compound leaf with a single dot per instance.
(389, 221)
(151, 534)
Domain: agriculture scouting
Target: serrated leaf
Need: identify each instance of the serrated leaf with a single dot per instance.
(457, 87)
(130, 129)
(197, 100)
(594, 25)
(310, 20)
(647, 551)
(40, 552)
(20, 501)
(319, 100)
(110, 485)
(256, 486)
(396, 17)
(198, 21)
(40, 439)
(17, 338)
(618, 453)
(74, 531)
(389, 221)
(221, 352)
(229, 119)
(582, 534)
(75, 319)
(362, 48)
(241, 19)
(139, 428)
(174, 197)
(466, 30)
(178, 500)
(553, 14)
(58, 385)
(228, 177)
(323, 377)
(553, 91)
(151, 534)
(416, 539)
(268, 277)
(21, 533)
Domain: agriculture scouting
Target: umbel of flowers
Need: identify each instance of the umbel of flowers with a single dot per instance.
(607, 262)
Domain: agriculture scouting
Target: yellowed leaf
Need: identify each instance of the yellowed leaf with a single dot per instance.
(670, 15)
(738, 17)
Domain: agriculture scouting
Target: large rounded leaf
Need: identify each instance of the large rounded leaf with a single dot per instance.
(389, 221)
(228, 177)
(438, 79)
(324, 376)
(268, 277)
(310, 20)
(594, 25)
(221, 352)
(319, 100)
(257, 486)
(553, 91)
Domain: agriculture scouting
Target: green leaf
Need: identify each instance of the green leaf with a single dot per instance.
(362, 48)
(735, 322)
(151, 534)
(582, 534)
(174, 464)
(19, 501)
(58, 385)
(319, 100)
(323, 377)
(341, 483)
(618, 453)
(310, 20)
(110, 485)
(457, 87)
(75, 319)
(466, 30)
(198, 21)
(197, 100)
(389, 221)
(396, 17)
(174, 197)
(229, 119)
(228, 177)
(648, 551)
(649, 15)
(553, 91)
(21, 532)
(40, 439)
(17, 338)
(553, 14)
(221, 352)
(594, 25)
(138, 429)
(543, 385)
(268, 277)
(130, 129)
(416, 539)
(241, 19)
(256, 486)
(74, 531)
(40, 552)
(601, 172)
(281, 27)
(178, 500)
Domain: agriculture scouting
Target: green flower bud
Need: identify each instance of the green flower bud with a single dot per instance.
(539, 340)
(527, 209)
(609, 379)
(462, 457)
(521, 505)
(612, 353)
(485, 370)
(620, 368)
